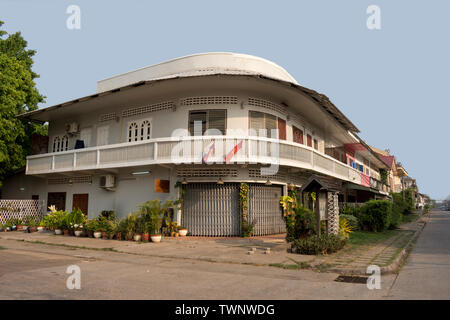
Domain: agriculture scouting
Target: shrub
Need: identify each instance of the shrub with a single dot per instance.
(351, 220)
(344, 229)
(300, 225)
(108, 214)
(55, 220)
(376, 215)
(313, 245)
(396, 217)
(75, 219)
(247, 228)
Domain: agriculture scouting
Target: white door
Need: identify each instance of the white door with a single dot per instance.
(102, 135)
(85, 135)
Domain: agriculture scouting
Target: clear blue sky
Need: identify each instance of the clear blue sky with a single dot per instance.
(392, 83)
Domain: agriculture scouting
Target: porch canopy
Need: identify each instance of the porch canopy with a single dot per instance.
(330, 187)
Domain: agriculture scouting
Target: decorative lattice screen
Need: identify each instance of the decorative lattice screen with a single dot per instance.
(19, 209)
(333, 213)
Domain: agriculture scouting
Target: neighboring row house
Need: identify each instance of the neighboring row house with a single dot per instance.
(207, 122)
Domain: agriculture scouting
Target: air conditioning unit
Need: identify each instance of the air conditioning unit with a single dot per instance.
(108, 181)
(72, 127)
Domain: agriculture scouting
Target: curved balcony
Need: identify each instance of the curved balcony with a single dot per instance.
(179, 150)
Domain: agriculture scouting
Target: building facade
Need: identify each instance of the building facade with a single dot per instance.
(204, 123)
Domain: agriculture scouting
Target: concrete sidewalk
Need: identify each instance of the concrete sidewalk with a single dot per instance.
(239, 250)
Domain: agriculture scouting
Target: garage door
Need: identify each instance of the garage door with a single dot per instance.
(264, 209)
(211, 209)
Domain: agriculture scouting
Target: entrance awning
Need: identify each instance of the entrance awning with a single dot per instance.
(322, 183)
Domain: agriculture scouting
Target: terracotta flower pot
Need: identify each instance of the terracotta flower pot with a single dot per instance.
(32, 229)
(66, 232)
(19, 227)
(118, 236)
(104, 235)
(146, 237)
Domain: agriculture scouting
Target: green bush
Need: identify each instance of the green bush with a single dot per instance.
(301, 225)
(351, 210)
(396, 217)
(313, 245)
(376, 215)
(352, 221)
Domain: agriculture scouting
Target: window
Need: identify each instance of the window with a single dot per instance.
(132, 132)
(146, 130)
(309, 140)
(297, 135)
(209, 119)
(60, 143)
(316, 144)
(263, 121)
(139, 130)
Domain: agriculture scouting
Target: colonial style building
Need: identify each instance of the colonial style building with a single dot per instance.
(205, 123)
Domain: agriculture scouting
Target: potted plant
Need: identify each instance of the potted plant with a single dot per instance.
(89, 228)
(182, 231)
(41, 227)
(113, 226)
(78, 230)
(129, 227)
(121, 229)
(139, 228)
(55, 220)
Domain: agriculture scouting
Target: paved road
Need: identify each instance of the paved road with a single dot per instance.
(37, 271)
(426, 275)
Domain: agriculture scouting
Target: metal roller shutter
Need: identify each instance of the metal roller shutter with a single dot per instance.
(264, 208)
(211, 209)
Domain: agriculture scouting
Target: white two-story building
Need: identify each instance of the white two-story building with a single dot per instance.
(205, 121)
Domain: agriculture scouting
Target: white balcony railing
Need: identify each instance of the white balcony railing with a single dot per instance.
(160, 151)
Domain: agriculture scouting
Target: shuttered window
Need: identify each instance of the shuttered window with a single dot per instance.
(265, 121)
(281, 129)
(209, 119)
(297, 135)
(309, 140)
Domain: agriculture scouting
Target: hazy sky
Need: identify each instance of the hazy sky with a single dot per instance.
(392, 83)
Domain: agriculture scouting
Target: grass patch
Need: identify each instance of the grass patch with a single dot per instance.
(2, 248)
(359, 238)
(407, 218)
(68, 246)
(293, 266)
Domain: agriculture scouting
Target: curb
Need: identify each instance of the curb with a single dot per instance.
(392, 268)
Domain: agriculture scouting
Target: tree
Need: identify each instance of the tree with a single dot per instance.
(18, 94)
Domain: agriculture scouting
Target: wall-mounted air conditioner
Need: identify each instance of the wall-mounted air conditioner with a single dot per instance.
(108, 181)
(72, 128)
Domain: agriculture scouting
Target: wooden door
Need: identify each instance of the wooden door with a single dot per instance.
(281, 129)
(80, 201)
(57, 199)
(297, 135)
(309, 140)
